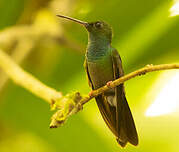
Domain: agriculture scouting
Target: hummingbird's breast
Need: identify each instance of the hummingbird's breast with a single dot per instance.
(100, 71)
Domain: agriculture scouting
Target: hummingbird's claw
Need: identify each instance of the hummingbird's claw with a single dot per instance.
(90, 93)
(109, 84)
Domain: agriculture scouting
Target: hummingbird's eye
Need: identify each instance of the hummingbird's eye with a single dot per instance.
(98, 25)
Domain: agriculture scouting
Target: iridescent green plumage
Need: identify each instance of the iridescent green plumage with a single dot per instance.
(102, 65)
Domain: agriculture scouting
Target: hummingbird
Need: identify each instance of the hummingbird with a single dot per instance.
(103, 64)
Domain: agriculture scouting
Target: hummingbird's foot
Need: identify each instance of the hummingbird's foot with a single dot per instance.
(90, 93)
(109, 84)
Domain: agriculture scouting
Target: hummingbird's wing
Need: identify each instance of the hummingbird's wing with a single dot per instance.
(108, 112)
(88, 76)
(125, 124)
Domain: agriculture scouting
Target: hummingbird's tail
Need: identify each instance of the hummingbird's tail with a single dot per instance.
(118, 117)
(125, 124)
(122, 143)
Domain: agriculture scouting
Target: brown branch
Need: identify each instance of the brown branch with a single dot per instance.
(71, 103)
(26, 80)
(142, 71)
(59, 118)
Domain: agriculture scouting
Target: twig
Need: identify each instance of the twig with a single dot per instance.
(142, 71)
(20, 52)
(25, 37)
(71, 103)
(26, 80)
(149, 68)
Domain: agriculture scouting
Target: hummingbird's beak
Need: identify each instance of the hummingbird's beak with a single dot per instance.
(73, 19)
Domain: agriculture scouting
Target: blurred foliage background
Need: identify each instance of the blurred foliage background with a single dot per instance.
(52, 49)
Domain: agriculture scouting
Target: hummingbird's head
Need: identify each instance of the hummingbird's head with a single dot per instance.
(98, 30)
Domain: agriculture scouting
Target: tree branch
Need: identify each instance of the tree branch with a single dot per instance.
(142, 71)
(71, 103)
(26, 80)
(23, 38)
(148, 68)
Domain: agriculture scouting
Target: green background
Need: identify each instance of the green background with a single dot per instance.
(143, 33)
